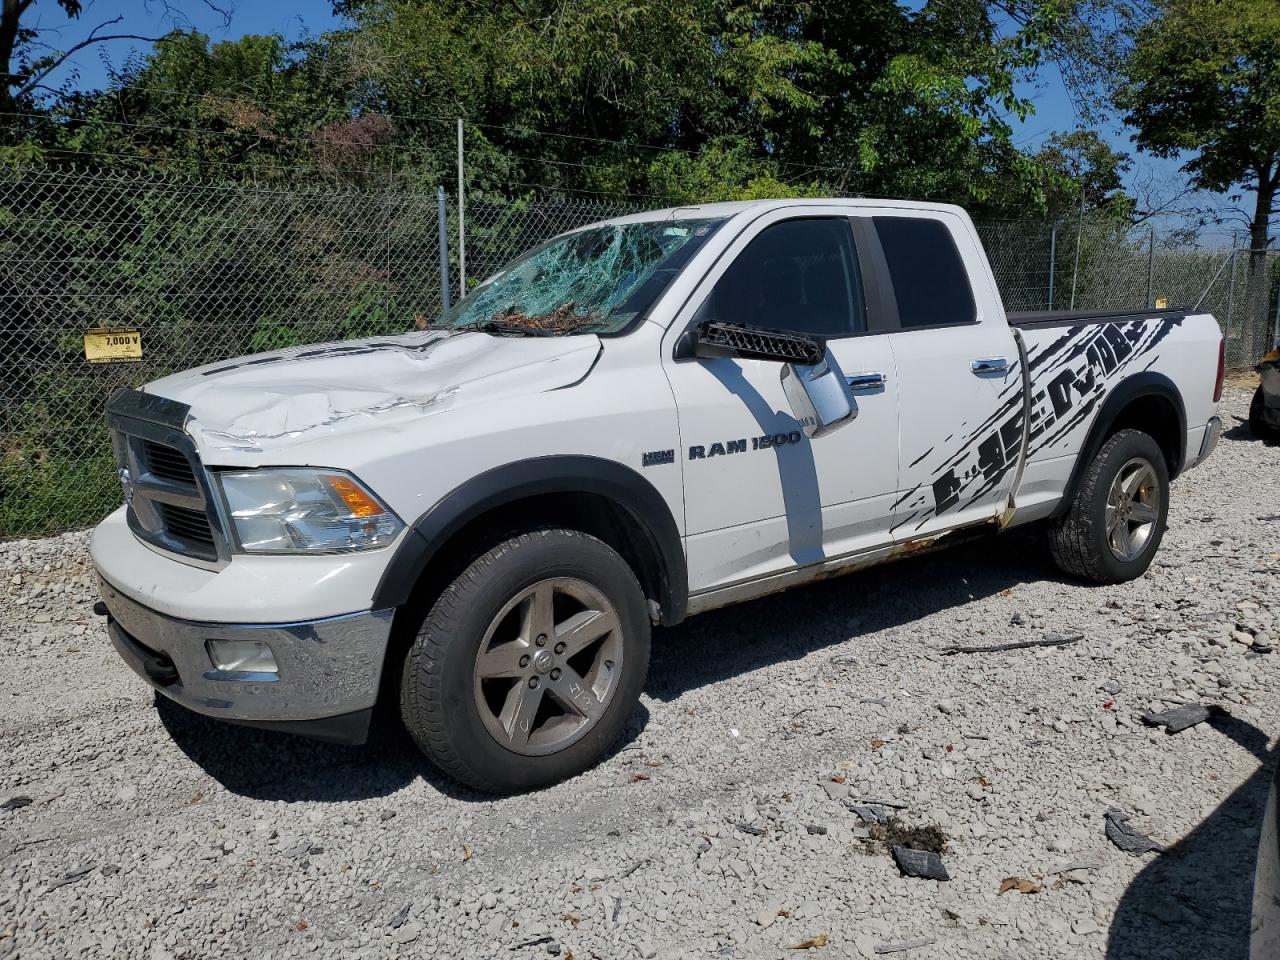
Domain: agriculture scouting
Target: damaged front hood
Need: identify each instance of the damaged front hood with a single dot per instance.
(272, 401)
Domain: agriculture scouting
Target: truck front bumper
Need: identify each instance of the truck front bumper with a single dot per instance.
(325, 682)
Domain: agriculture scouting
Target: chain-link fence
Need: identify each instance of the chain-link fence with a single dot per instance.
(1104, 266)
(207, 271)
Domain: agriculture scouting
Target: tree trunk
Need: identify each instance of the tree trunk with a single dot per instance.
(10, 14)
(1256, 329)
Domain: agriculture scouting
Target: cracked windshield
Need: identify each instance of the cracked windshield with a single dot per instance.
(593, 281)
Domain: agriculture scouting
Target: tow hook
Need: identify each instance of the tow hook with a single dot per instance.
(100, 608)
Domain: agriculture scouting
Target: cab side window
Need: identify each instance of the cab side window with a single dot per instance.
(929, 278)
(798, 275)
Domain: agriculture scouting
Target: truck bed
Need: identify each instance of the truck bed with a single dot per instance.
(1075, 359)
(1065, 318)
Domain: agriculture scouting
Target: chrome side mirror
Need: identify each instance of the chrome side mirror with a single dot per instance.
(819, 394)
(815, 386)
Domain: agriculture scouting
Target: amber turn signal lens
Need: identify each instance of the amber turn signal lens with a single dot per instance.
(353, 495)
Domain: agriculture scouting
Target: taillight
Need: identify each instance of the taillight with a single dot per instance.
(1222, 370)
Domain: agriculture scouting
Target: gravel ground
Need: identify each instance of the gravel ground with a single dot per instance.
(722, 826)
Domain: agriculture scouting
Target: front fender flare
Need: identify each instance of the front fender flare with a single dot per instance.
(536, 477)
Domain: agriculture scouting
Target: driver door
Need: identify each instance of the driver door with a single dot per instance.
(760, 496)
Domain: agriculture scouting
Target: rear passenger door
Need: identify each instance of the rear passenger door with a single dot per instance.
(760, 497)
(959, 376)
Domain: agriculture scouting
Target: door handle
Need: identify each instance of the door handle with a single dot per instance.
(990, 365)
(866, 381)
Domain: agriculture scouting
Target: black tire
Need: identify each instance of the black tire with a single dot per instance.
(1079, 540)
(439, 690)
(1258, 425)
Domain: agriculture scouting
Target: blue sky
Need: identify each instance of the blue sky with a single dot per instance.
(299, 18)
(293, 19)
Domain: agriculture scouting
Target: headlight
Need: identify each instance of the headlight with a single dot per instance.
(305, 511)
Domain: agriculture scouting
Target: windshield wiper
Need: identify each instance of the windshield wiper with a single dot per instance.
(499, 328)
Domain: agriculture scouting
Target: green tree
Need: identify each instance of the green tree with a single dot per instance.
(726, 168)
(909, 102)
(28, 50)
(246, 107)
(1081, 172)
(872, 97)
(1203, 77)
(678, 99)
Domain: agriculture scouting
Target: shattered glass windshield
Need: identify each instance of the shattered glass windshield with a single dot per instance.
(593, 281)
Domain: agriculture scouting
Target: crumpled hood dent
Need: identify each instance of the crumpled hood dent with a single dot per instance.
(272, 401)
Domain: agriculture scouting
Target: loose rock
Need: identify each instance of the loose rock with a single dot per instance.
(920, 863)
(1124, 836)
(1178, 719)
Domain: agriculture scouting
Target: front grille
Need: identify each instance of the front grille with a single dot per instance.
(168, 463)
(166, 487)
(187, 526)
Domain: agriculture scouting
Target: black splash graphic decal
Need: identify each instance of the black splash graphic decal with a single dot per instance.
(1076, 390)
(1070, 376)
(922, 456)
(906, 496)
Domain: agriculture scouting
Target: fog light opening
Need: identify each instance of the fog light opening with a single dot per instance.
(241, 656)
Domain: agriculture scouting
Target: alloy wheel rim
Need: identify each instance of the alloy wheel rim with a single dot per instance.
(548, 666)
(1133, 509)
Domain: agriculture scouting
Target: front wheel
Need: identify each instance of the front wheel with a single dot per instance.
(529, 664)
(1114, 526)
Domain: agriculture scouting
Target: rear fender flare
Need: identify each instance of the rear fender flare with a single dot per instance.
(1148, 383)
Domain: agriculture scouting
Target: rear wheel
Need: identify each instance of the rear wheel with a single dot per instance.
(529, 664)
(1114, 526)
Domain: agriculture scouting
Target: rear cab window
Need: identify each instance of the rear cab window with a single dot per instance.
(930, 282)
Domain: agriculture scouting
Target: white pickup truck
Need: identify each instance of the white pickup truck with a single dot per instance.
(637, 421)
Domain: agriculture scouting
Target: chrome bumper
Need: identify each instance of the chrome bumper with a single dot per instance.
(1208, 442)
(325, 686)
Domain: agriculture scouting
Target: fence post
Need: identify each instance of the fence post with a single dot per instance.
(1231, 287)
(462, 221)
(1151, 261)
(442, 219)
(1275, 327)
(1214, 282)
(1053, 258)
(1075, 272)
